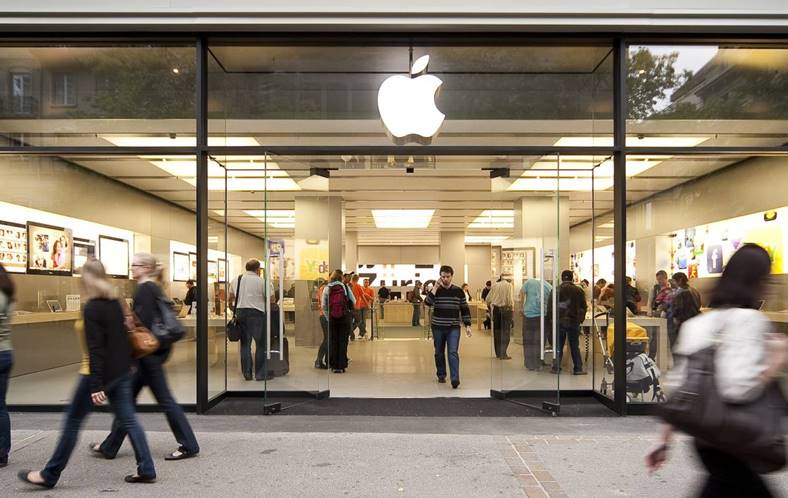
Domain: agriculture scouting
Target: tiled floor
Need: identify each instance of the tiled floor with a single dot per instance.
(391, 368)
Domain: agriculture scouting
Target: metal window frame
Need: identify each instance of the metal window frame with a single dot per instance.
(202, 41)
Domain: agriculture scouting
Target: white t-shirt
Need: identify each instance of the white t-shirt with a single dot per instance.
(741, 354)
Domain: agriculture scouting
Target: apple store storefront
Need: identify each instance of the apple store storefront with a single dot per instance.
(503, 157)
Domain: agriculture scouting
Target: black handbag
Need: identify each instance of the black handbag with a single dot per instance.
(233, 328)
(751, 431)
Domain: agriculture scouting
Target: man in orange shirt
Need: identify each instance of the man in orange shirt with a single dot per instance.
(362, 306)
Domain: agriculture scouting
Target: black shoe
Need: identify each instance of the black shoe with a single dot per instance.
(441, 380)
(247, 377)
(555, 370)
(267, 377)
(4, 464)
(22, 474)
(338, 370)
(580, 372)
(455, 384)
(95, 450)
(139, 479)
(181, 454)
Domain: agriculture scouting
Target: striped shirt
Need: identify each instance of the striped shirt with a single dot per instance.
(448, 305)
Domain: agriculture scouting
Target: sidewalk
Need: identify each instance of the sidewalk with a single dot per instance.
(371, 456)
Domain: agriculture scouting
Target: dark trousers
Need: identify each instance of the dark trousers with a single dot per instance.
(532, 347)
(253, 324)
(151, 373)
(415, 321)
(337, 341)
(502, 330)
(361, 321)
(569, 331)
(6, 362)
(322, 351)
(444, 337)
(729, 476)
(121, 402)
(382, 310)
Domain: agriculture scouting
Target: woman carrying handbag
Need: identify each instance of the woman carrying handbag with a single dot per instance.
(724, 385)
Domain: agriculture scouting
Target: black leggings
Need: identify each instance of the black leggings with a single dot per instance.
(729, 476)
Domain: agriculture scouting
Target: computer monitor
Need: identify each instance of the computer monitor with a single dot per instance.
(395, 295)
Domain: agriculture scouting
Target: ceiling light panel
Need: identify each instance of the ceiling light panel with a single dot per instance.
(402, 218)
(494, 218)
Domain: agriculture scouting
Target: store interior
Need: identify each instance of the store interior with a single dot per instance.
(391, 218)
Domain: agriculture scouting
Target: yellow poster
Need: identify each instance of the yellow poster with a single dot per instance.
(311, 259)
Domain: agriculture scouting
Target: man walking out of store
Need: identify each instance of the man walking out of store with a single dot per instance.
(500, 301)
(572, 309)
(449, 307)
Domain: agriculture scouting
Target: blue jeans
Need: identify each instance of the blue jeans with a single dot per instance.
(151, 373)
(414, 322)
(442, 337)
(120, 400)
(6, 362)
(571, 332)
(253, 328)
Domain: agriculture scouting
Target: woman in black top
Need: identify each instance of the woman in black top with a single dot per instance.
(147, 271)
(109, 352)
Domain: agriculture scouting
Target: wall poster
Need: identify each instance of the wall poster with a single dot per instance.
(180, 266)
(114, 254)
(84, 250)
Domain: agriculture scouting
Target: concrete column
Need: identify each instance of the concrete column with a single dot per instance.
(452, 253)
(543, 222)
(319, 224)
(351, 252)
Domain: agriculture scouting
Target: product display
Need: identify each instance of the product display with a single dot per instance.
(114, 254)
(50, 250)
(83, 251)
(13, 247)
(193, 266)
(180, 266)
(222, 271)
(213, 271)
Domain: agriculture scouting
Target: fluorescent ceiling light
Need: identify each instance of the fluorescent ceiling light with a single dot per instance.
(631, 141)
(485, 239)
(494, 218)
(609, 224)
(177, 141)
(244, 173)
(276, 218)
(314, 182)
(540, 184)
(402, 218)
(600, 238)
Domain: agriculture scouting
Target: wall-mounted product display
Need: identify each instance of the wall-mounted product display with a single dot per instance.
(13, 246)
(520, 262)
(180, 266)
(114, 254)
(84, 250)
(193, 266)
(397, 275)
(703, 251)
(50, 249)
(603, 265)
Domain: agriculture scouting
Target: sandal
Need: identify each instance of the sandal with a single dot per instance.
(139, 479)
(24, 475)
(95, 450)
(180, 454)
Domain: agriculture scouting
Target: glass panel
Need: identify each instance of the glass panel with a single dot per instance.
(490, 95)
(81, 207)
(93, 95)
(707, 95)
(681, 221)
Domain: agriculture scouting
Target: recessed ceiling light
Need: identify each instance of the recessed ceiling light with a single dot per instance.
(494, 218)
(485, 239)
(177, 141)
(276, 218)
(402, 218)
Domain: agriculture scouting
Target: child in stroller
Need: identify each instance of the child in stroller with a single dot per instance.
(642, 372)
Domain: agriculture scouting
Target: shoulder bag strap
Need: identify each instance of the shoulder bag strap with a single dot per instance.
(237, 294)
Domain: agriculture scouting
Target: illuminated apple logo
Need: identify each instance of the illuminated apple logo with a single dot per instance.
(407, 105)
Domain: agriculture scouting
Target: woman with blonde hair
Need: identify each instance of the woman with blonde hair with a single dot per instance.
(147, 271)
(104, 375)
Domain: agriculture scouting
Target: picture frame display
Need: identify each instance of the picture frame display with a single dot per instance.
(84, 250)
(13, 246)
(180, 267)
(114, 255)
(50, 249)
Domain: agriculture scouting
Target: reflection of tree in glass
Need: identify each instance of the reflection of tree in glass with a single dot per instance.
(144, 82)
(649, 77)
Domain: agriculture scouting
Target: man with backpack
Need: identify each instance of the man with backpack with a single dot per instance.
(572, 309)
(338, 303)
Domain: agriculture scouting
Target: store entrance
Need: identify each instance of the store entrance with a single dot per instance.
(389, 223)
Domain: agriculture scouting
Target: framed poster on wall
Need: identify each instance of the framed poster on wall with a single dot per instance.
(180, 266)
(114, 254)
(222, 271)
(13, 246)
(49, 249)
(213, 271)
(84, 250)
(193, 266)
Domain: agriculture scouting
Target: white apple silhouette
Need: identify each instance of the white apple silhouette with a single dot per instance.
(407, 105)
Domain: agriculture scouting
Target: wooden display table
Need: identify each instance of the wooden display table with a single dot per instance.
(398, 313)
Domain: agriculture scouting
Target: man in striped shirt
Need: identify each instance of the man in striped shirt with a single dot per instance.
(449, 307)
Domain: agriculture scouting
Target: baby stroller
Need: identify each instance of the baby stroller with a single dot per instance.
(642, 373)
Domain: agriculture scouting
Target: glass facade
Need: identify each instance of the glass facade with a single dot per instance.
(109, 149)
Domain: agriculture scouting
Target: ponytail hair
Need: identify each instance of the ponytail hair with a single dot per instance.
(153, 268)
(95, 281)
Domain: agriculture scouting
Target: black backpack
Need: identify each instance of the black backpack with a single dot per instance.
(166, 327)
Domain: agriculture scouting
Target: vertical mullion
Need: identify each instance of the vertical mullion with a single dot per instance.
(201, 103)
(619, 220)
